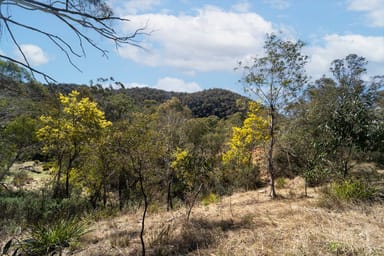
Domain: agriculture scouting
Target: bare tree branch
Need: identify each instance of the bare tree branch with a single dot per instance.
(80, 16)
(46, 77)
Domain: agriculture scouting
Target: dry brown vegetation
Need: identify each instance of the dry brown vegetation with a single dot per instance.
(246, 223)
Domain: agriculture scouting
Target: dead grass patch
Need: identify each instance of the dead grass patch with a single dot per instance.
(247, 223)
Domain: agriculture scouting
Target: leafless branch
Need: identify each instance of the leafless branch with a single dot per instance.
(76, 16)
(46, 77)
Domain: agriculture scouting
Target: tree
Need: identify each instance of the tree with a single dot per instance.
(78, 122)
(353, 115)
(171, 117)
(336, 121)
(82, 17)
(306, 145)
(139, 151)
(276, 79)
(16, 140)
(246, 139)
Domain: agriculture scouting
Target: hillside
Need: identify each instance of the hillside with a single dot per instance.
(246, 223)
(219, 102)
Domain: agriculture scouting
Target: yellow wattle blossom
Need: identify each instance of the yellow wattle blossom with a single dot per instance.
(244, 139)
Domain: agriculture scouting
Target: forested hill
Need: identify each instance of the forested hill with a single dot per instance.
(218, 102)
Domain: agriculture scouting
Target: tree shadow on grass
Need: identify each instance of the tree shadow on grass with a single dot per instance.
(196, 234)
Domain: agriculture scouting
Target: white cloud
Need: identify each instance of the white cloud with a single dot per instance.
(34, 54)
(136, 85)
(212, 39)
(373, 8)
(339, 46)
(169, 84)
(177, 85)
(278, 4)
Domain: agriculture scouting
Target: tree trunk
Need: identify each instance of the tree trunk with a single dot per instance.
(144, 212)
(346, 163)
(169, 196)
(57, 192)
(104, 192)
(120, 186)
(67, 183)
(271, 170)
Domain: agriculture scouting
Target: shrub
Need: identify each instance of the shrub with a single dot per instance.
(33, 207)
(353, 191)
(347, 191)
(210, 199)
(49, 239)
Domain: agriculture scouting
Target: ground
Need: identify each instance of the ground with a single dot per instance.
(246, 223)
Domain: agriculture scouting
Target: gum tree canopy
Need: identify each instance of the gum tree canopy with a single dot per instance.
(85, 19)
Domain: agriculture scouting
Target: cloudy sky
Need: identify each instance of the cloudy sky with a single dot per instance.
(196, 44)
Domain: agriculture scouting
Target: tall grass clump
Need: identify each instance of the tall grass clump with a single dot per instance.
(339, 194)
(49, 239)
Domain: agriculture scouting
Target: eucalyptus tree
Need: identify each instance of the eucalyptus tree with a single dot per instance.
(355, 105)
(275, 79)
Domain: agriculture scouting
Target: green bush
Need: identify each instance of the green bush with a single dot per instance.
(32, 207)
(210, 199)
(353, 191)
(49, 239)
(347, 191)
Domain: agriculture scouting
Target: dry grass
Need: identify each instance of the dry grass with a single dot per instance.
(247, 223)
(35, 176)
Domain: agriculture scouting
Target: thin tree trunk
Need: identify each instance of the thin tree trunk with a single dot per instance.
(68, 172)
(271, 169)
(104, 192)
(57, 190)
(192, 203)
(346, 163)
(305, 187)
(169, 196)
(144, 212)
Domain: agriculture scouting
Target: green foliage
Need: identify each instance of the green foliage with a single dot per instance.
(32, 207)
(211, 198)
(13, 72)
(338, 194)
(276, 79)
(217, 102)
(335, 123)
(49, 239)
(352, 191)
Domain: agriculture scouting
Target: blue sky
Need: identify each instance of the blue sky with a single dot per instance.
(196, 44)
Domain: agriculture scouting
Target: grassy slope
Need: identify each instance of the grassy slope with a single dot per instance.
(247, 223)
